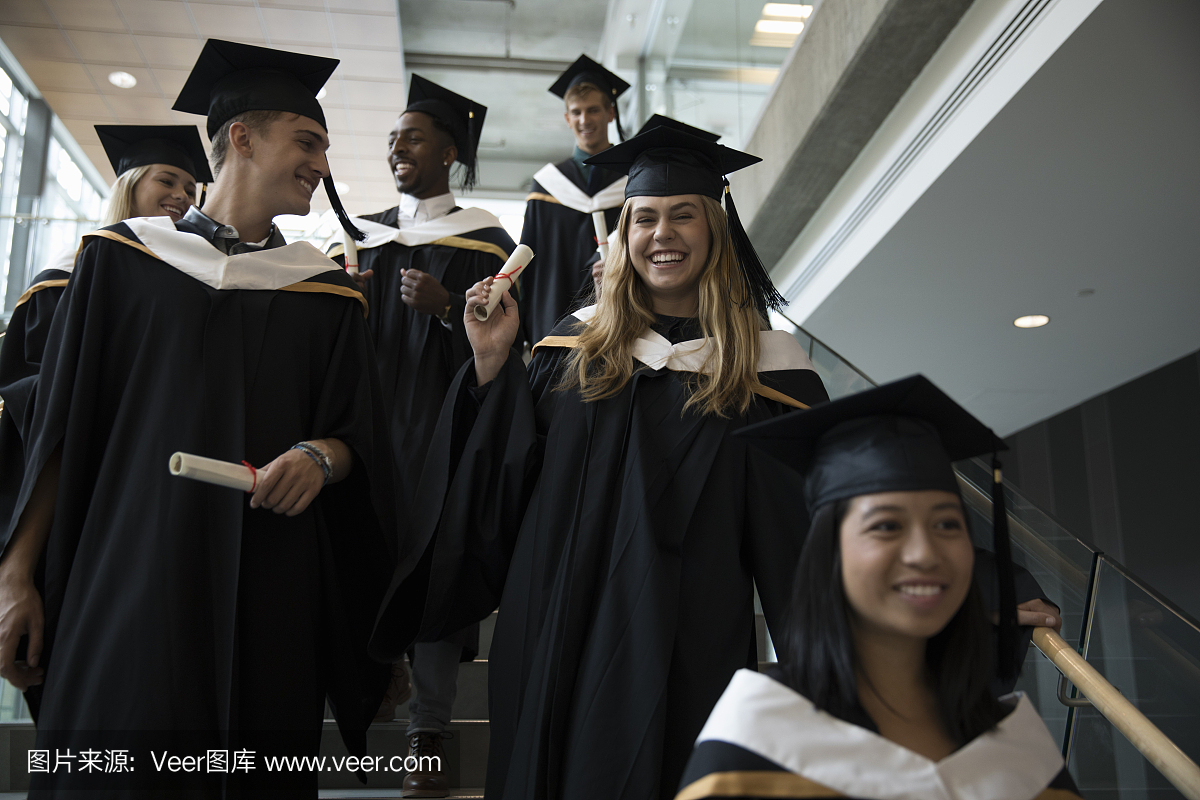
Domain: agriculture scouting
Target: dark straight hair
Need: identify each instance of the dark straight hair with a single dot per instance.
(817, 656)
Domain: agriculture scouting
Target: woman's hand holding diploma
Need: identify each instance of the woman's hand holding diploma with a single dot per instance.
(490, 340)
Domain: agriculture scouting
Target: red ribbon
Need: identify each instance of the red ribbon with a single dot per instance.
(254, 474)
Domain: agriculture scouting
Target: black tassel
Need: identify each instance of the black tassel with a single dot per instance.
(617, 119)
(759, 288)
(470, 158)
(1009, 659)
(203, 192)
(335, 203)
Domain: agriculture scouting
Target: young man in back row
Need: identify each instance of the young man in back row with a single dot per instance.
(172, 616)
(558, 214)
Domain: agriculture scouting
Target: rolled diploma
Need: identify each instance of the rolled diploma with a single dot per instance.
(210, 470)
(601, 233)
(504, 281)
(351, 248)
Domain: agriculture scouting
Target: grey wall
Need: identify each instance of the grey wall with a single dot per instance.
(1121, 471)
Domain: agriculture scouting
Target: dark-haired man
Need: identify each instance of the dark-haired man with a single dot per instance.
(418, 261)
(170, 616)
(558, 213)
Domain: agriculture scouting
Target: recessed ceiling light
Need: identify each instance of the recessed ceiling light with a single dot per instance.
(1031, 321)
(342, 188)
(787, 10)
(321, 94)
(122, 80)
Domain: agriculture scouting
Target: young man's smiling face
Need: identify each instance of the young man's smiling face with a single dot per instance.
(588, 115)
(289, 156)
(419, 155)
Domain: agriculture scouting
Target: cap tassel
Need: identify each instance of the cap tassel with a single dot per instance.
(470, 158)
(761, 291)
(203, 193)
(335, 203)
(617, 119)
(1008, 657)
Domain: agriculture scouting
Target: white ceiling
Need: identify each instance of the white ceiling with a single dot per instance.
(502, 54)
(1086, 180)
(68, 48)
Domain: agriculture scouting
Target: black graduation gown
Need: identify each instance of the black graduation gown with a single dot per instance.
(20, 359)
(176, 617)
(558, 279)
(622, 540)
(765, 741)
(419, 355)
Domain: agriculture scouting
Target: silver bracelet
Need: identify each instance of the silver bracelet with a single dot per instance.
(319, 456)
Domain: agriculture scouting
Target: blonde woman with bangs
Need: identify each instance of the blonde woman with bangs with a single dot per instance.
(598, 500)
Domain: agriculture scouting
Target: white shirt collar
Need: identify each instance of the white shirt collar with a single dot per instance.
(413, 211)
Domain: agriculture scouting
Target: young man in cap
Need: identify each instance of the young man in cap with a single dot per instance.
(170, 617)
(558, 213)
(419, 259)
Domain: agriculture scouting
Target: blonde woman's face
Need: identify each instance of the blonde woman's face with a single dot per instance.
(163, 190)
(906, 561)
(669, 242)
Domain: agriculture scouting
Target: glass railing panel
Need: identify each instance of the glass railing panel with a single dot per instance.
(1150, 651)
(1059, 562)
(12, 704)
(838, 375)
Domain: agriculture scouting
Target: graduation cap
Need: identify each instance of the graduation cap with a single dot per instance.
(463, 116)
(668, 161)
(585, 70)
(660, 121)
(231, 78)
(132, 146)
(899, 437)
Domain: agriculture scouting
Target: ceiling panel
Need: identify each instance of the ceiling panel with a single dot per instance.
(86, 15)
(61, 76)
(25, 14)
(152, 110)
(170, 51)
(301, 27)
(239, 23)
(378, 64)
(365, 30)
(104, 46)
(78, 104)
(146, 85)
(156, 16)
(29, 43)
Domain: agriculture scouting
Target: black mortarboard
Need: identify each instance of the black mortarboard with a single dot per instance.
(585, 70)
(131, 146)
(660, 121)
(898, 437)
(461, 115)
(231, 78)
(667, 161)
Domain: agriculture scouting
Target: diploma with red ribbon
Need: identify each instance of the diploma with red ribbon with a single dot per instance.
(210, 470)
(505, 280)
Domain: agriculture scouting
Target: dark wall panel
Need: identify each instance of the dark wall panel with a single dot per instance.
(1122, 471)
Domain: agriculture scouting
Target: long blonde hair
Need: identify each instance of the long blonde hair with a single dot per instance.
(120, 202)
(602, 363)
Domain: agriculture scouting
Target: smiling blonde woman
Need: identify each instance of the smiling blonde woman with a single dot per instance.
(598, 499)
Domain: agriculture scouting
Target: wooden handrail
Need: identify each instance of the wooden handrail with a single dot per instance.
(1152, 743)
